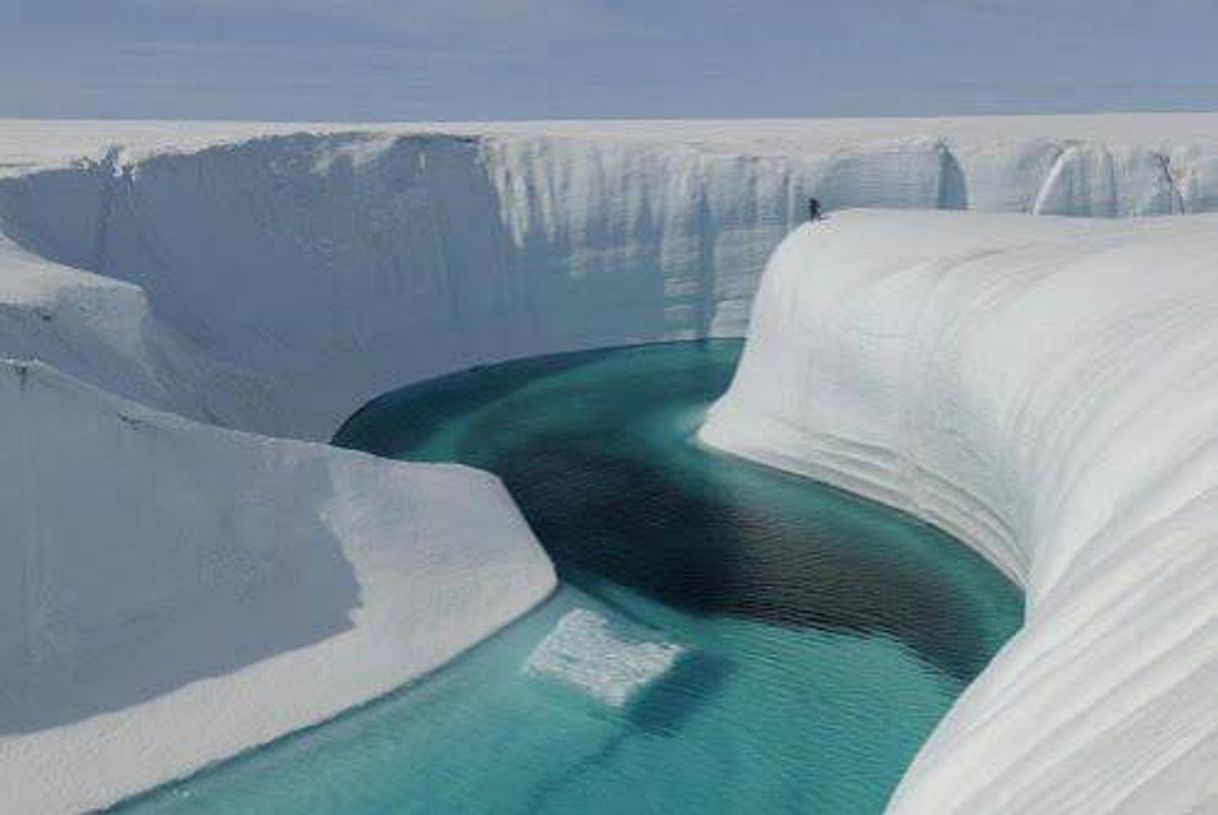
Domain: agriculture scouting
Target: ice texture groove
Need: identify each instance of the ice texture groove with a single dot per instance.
(1045, 389)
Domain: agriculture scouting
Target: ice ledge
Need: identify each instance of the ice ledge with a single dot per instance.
(1047, 390)
(257, 586)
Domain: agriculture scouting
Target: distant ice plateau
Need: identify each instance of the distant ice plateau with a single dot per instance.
(169, 290)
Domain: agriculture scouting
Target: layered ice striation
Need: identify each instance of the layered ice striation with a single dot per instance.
(1046, 389)
(271, 278)
(584, 652)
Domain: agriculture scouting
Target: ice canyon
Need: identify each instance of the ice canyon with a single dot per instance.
(186, 309)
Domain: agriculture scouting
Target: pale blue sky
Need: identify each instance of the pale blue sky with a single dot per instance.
(516, 59)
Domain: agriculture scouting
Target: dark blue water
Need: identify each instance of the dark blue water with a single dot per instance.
(817, 637)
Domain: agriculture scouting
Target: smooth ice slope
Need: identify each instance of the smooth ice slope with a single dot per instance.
(172, 593)
(102, 330)
(320, 269)
(1046, 389)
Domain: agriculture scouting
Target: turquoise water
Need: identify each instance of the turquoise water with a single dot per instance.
(822, 636)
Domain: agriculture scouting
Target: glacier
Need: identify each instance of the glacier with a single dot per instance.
(1044, 389)
(173, 293)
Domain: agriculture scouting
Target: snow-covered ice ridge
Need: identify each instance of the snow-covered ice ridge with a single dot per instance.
(270, 278)
(1046, 389)
(172, 593)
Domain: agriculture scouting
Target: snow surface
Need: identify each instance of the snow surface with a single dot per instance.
(175, 593)
(271, 278)
(1046, 389)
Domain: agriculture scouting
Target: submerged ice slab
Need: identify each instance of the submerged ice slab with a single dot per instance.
(584, 651)
(1046, 389)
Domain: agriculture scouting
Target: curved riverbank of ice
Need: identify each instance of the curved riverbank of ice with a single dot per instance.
(1046, 389)
(174, 593)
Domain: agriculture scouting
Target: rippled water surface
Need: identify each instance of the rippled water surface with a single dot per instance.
(810, 640)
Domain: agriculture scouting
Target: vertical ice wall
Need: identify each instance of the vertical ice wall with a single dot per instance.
(317, 271)
(1046, 389)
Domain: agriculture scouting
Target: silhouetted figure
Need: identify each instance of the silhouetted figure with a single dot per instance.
(813, 209)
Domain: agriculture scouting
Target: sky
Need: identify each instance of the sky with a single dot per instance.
(470, 60)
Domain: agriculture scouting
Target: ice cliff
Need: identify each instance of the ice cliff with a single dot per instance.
(1046, 389)
(318, 270)
(272, 278)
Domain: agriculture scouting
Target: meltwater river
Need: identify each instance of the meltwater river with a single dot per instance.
(728, 639)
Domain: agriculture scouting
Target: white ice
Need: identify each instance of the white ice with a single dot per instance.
(173, 593)
(287, 279)
(1046, 389)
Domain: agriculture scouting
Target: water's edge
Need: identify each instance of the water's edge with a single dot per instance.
(797, 684)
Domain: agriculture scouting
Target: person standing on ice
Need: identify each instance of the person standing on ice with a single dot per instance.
(813, 209)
